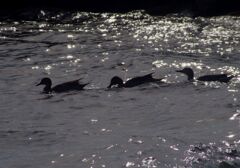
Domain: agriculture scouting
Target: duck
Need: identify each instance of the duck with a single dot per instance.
(139, 80)
(64, 87)
(224, 78)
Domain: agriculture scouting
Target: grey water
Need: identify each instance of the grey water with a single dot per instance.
(177, 124)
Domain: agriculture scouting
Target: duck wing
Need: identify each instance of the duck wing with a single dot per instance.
(68, 86)
(219, 77)
(226, 79)
(141, 80)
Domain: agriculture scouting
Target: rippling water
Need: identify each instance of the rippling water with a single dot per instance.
(177, 124)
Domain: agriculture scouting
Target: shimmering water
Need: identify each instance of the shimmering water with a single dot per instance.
(177, 124)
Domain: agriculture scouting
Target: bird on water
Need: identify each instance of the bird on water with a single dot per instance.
(64, 87)
(207, 78)
(139, 80)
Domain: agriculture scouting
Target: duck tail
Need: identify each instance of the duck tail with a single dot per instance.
(158, 80)
(231, 76)
(79, 79)
(85, 84)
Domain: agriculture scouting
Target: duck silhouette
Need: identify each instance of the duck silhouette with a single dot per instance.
(139, 80)
(64, 87)
(208, 78)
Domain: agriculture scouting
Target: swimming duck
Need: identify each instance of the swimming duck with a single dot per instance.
(117, 81)
(64, 87)
(208, 78)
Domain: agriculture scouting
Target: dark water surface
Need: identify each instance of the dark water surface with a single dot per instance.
(175, 125)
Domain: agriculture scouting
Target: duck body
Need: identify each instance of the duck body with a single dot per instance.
(206, 78)
(68, 86)
(64, 87)
(117, 81)
(140, 80)
(219, 78)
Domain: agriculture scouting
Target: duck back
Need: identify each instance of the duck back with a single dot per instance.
(68, 86)
(141, 80)
(219, 77)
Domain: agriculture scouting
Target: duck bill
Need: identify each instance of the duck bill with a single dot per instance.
(38, 84)
(179, 71)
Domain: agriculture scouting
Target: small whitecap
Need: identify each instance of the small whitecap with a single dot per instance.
(70, 36)
(84, 160)
(112, 19)
(27, 59)
(104, 59)
(69, 57)
(94, 121)
(35, 67)
(149, 162)
(139, 153)
(130, 164)
(159, 63)
(109, 147)
(174, 147)
(42, 13)
(48, 67)
(70, 46)
(231, 136)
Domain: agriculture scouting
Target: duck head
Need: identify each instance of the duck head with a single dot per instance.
(116, 81)
(47, 82)
(187, 71)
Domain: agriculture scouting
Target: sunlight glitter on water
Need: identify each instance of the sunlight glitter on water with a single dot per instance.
(182, 32)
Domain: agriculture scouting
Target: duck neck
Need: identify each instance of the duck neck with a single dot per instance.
(190, 76)
(121, 85)
(47, 88)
